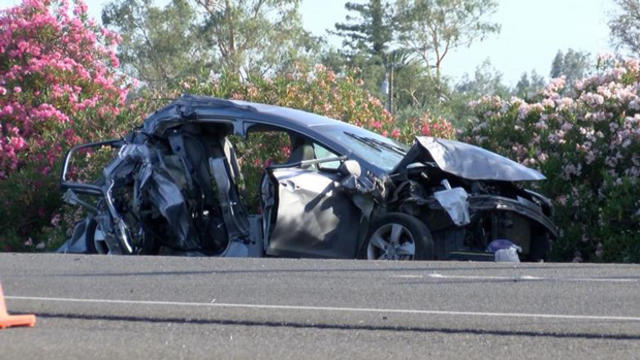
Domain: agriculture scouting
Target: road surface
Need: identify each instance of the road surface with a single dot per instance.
(108, 307)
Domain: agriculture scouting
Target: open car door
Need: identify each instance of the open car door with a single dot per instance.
(306, 213)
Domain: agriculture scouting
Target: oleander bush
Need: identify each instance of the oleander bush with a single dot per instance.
(58, 87)
(586, 140)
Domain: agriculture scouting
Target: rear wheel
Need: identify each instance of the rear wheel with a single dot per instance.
(398, 236)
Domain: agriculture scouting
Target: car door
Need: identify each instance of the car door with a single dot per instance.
(311, 215)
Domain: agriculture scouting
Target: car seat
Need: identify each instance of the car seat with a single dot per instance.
(212, 175)
(301, 150)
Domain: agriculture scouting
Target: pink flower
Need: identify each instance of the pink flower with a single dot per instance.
(29, 242)
(543, 157)
(562, 200)
(44, 41)
(590, 157)
(18, 143)
(426, 131)
(55, 220)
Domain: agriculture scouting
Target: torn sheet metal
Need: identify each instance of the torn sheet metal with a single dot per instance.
(454, 202)
(168, 200)
(79, 241)
(175, 188)
(475, 163)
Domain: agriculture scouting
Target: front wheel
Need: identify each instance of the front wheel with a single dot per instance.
(398, 236)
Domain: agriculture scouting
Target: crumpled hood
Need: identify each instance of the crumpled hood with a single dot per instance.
(467, 161)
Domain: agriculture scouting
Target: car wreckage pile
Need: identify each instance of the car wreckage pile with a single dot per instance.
(344, 192)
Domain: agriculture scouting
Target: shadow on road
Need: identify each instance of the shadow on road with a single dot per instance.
(285, 324)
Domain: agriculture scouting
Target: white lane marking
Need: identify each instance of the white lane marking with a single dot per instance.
(331, 309)
(513, 278)
(530, 277)
(527, 278)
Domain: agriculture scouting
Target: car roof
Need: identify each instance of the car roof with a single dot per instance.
(195, 108)
(296, 116)
(192, 107)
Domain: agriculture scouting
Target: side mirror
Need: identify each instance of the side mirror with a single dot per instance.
(350, 167)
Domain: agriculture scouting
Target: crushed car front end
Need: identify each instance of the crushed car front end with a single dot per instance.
(468, 197)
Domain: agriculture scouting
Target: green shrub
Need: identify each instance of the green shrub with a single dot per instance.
(58, 87)
(586, 140)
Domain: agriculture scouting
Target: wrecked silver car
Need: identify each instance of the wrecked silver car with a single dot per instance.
(342, 192)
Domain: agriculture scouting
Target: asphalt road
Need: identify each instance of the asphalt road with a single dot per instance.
(161, 307)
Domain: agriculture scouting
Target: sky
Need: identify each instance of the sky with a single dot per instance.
(532, 33)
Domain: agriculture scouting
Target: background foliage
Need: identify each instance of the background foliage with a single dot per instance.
(57, 88)
(587, 143)
(65, 79)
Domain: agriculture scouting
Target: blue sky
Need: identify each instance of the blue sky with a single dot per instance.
(532, 32)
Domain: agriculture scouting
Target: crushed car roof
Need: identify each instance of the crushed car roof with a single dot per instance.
(194, 108)
(457, 158)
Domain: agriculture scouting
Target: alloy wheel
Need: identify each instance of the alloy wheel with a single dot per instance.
(391, 241)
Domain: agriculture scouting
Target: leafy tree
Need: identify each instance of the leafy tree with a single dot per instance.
(625, 27)
(256, 36)
(370, 31)
(529, 85)
(164, 45)
(432, 28)
(160, 45)
(411, 85)
(573, 65)
(486, 80)
(453, 104)
(556, 64)
(368, 35)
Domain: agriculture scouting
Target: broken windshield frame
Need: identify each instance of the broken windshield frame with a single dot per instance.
(376, 144)
(375, 149)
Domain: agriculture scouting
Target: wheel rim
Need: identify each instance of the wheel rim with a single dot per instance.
(391, 242)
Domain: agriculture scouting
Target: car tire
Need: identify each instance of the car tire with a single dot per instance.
(404, 232)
